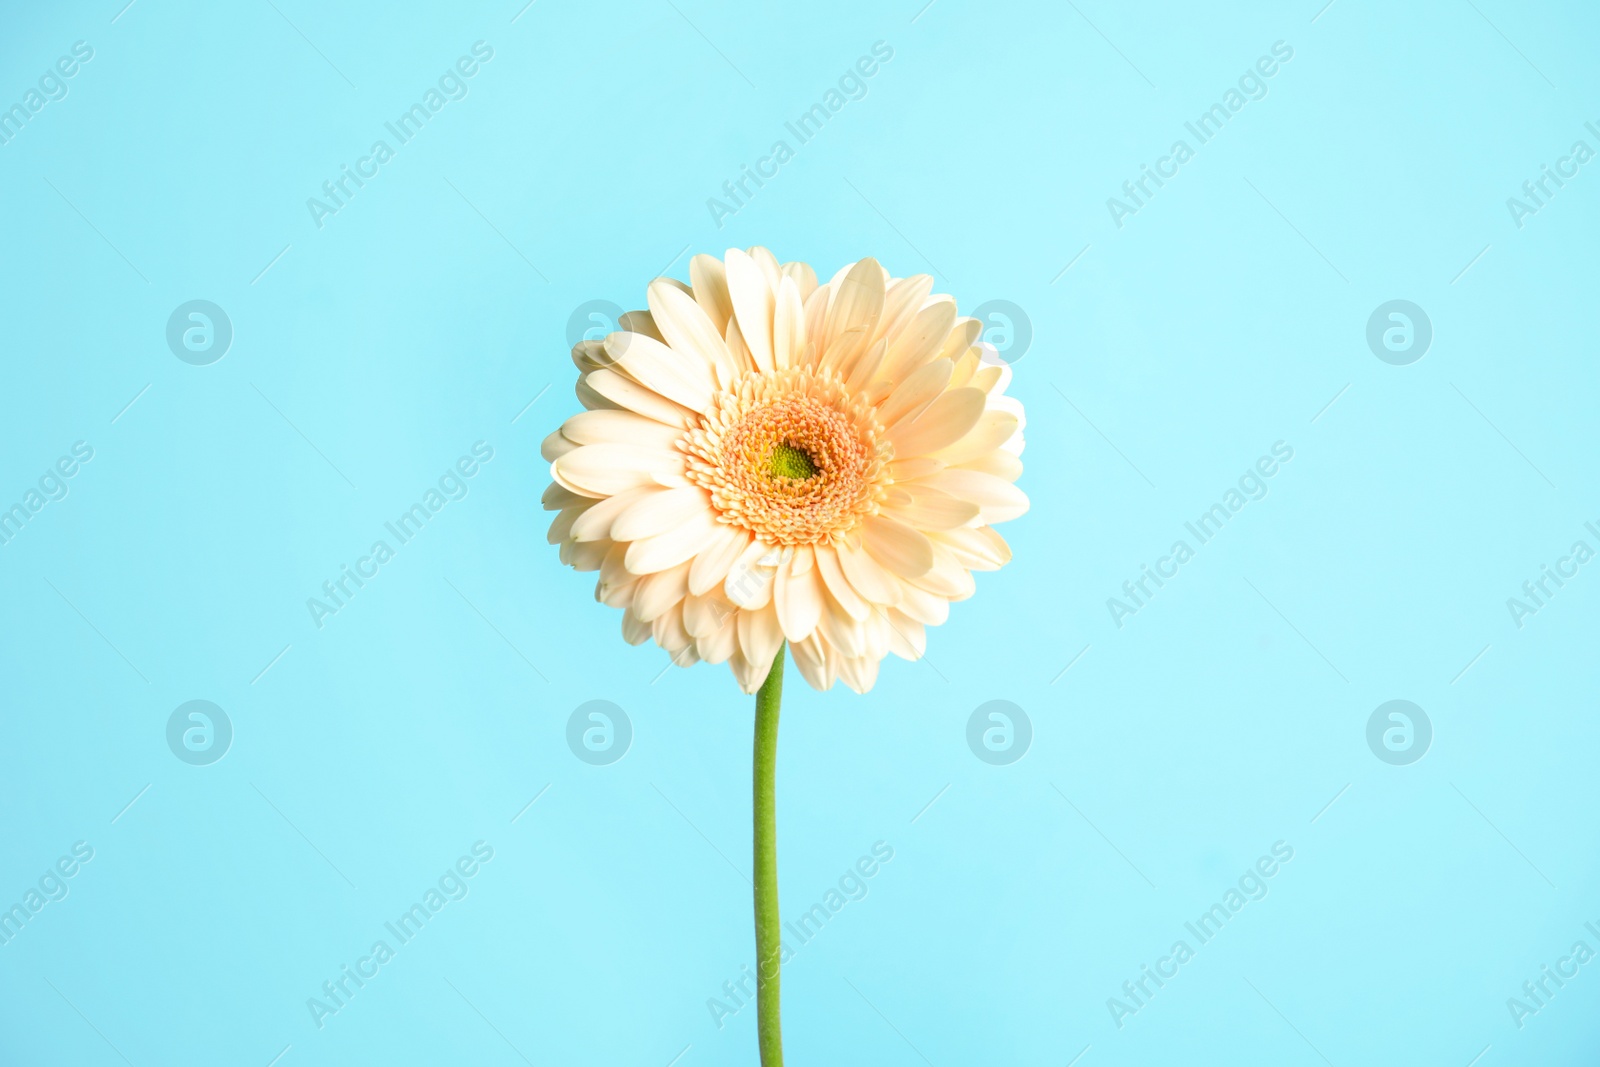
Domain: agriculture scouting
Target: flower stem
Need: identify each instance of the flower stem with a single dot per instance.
(768, 933)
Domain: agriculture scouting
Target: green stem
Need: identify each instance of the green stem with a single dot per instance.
(769, 937)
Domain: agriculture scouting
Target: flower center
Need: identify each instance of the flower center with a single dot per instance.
(790, 456)
(787, 461)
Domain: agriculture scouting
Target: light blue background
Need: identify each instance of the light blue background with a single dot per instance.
(426, 315)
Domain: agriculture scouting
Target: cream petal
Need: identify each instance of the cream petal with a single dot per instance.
(658, 592)
(670, 479)
(963, 335)
(841, 352)
(853, 314)
(899, 548)
(908, 639)
(719, 645)
(1000, 463)
(634, 631)
(557, 496)
(613, 572)
(584, 557)
(699, 616)
(635, 322)
(805, 279)
(686, 656)
(798, 598)
(816, 315)
(753, 306)
(620, 428)
(941, 424)
(866, 575)
(860, 673)
(738, 349)
(847, 635)
(604, 470)
(668, 631)
(925, 607)
(992, 430)
(788, 326)
(998, 499)
(760, 634)
(1004, 380)
(749, 581)
(818, 663)
(830, 660)
(866, 365)
(685, 328)
(747, 674)
(988, 378)
(588, 355)
(978, 548)
(878, 633)
(709, 283)
(915, 392)
(763, 258)
(947, 577)
(593, 401)
(611, 594)
(676, 546)
(657, 513)
(806, 358)
(561, 525)
(681, 378)
(967, 365)
(920, 342)
(556, 445)
(717, 557)
(839, 588)
(902, 301)
(595, 524)
(1008, 403)
(998, 546)
(811, 659)
(929, 508)
(844, 351)
(624, 392)
(909, 470)
(703, 616)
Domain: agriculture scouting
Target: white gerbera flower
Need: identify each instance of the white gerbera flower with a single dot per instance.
(763, 458)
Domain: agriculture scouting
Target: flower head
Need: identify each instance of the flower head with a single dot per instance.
(764, 458)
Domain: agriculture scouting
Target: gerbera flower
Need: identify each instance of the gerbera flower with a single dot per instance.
(764, 458)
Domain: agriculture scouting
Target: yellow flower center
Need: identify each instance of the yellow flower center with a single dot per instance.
(787, 461)
(791, 457)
